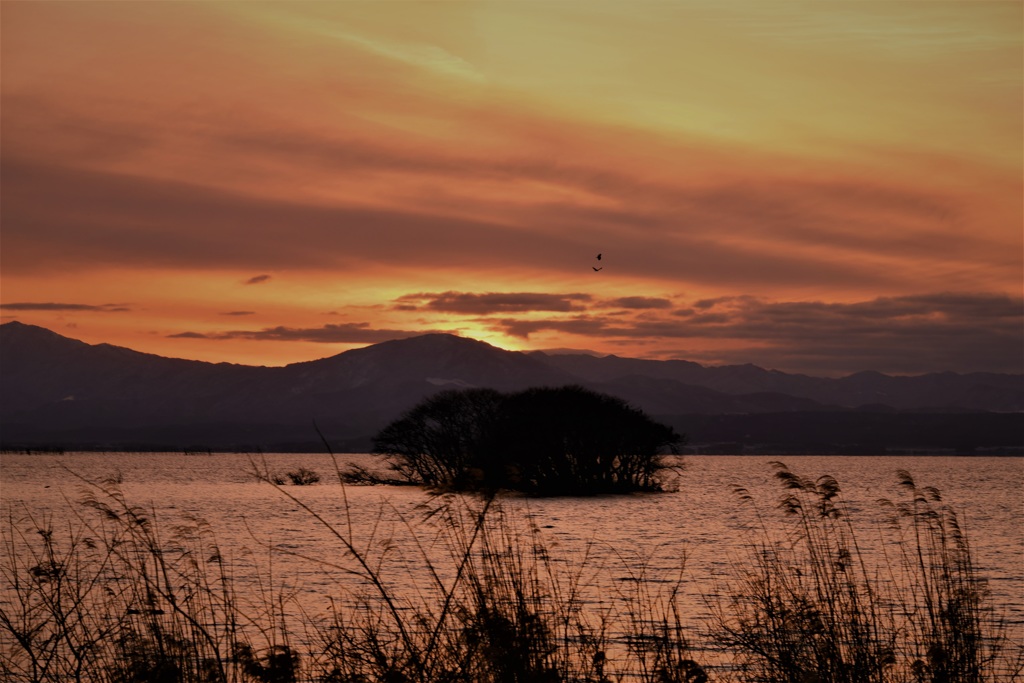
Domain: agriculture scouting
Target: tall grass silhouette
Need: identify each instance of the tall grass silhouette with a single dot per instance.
(111, 596)
(813, 606)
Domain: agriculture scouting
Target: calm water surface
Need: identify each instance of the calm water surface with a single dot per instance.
(702, 522)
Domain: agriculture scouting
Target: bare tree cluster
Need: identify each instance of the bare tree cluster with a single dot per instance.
(547, 441)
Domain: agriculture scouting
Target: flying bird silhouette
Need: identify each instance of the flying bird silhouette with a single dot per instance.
(598, 257)
(597, 269)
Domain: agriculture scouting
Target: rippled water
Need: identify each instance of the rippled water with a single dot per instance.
(702, 522)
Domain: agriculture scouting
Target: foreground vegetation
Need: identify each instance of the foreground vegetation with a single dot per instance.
(113, 598)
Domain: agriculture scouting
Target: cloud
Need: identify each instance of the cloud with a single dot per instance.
(382, 170)
(903, 334)
(62, 220)
(50, 306)
(580, 325)
(446, 208)
(419, 55)
(257, 280)
(848, 233)
(344, 333)
(239, 313)
(951, 313)
(639, 302)
(495, 302)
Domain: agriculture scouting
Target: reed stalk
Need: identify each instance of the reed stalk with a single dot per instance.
(112, 596)
(813, 607)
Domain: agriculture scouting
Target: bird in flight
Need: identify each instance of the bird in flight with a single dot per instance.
(597, 269)
(598, 257)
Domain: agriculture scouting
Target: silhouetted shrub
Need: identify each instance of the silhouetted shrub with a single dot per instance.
(438, 442)
(303, 477)
(547, 441)
(279, 664)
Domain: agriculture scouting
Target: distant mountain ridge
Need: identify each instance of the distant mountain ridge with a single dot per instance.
(946, 391)
(61, 392)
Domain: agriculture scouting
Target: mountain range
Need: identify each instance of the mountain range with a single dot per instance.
(57, 392)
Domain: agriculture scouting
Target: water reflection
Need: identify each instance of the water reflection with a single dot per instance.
(607, 542)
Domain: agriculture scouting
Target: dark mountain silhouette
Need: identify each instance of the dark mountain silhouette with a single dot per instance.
(60, 392)
(943, 392)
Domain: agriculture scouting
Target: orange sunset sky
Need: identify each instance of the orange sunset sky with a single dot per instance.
(811, 187)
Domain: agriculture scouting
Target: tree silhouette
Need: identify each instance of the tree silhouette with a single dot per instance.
(547, 441)
(438, 442)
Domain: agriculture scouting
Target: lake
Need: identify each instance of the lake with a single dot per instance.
(703, 522)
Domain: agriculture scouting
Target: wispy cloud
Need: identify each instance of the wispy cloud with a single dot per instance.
(53, 306)
(448, 210)
(639, 302)
(343, 333)
(495, 302)
(419, 55)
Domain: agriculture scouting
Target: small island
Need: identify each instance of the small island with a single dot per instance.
(542, 441)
